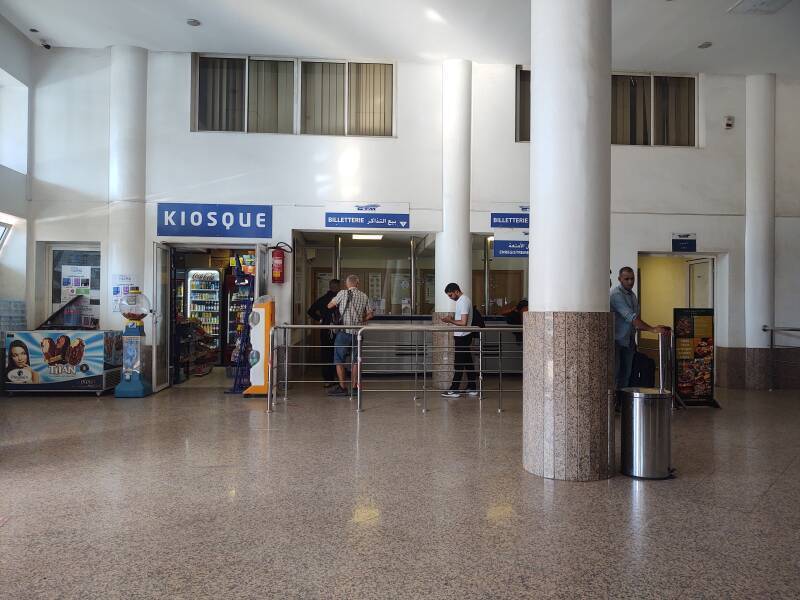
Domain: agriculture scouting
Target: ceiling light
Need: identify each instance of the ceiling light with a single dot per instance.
(490, 238)
(193, 22)
(367, 236)
(434, 16)
(705, 45)
(33, 30)
(757, 7)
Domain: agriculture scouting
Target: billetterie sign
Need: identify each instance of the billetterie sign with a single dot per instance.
(343, 215)
(178, 219)
(510, 220)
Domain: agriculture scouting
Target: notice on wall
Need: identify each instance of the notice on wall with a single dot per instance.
(694, 355)
(430, 288)
(684, 242)
(375, 286)
(75, 281)
(121, 285)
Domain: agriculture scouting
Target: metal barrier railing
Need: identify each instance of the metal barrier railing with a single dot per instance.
(774, 361)
(415, 359)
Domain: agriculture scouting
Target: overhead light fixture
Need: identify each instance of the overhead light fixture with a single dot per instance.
(490, 238)
(193, 22)
(757, 7)
(367, 236)
(704, 45)
(33, 30)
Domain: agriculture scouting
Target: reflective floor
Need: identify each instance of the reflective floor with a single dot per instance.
(196, 494)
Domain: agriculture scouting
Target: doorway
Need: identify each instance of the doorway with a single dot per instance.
(201, 299)
(666, 281)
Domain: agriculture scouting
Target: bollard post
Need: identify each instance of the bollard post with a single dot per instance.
(269, 368)
(358, 379)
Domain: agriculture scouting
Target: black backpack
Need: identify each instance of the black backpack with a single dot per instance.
(643, 371)
(477, 318)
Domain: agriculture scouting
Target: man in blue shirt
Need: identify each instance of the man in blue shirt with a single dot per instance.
(627, 321)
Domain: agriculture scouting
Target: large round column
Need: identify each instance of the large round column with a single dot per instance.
(569, 331)
(126, 169)
(453, 258)
(759, 228)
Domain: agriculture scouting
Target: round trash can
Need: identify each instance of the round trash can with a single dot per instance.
(646, 432)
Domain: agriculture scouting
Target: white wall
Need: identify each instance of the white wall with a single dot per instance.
(655, 191)
(15, 52)
(13, 125)
(13, 265)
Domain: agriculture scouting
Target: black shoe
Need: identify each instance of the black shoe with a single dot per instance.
(338, 391)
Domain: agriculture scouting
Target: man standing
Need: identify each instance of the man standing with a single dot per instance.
(323, 315)
(462, 341)
(627, 321)
(355, 311)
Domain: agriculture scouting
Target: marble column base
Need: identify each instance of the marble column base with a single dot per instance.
(757, 365)
(568, 377)
(441, 354)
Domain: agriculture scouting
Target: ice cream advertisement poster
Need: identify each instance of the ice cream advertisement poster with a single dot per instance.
(694, 353)
(71, 359)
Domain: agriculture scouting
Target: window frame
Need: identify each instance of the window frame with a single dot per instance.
(295, 93)
(298, 61)
(394, 95)
(652, 76)
(517, 103)
(6, 231)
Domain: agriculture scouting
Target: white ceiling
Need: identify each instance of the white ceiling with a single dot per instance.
(648, 34)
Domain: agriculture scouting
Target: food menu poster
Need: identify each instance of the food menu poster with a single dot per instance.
(694, 353)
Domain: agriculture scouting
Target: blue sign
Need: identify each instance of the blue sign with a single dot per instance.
(684, 245)
(214, 220)
(510, 248)
(365, 220)
(510, 220)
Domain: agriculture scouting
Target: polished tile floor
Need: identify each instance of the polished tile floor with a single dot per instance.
(197, 494)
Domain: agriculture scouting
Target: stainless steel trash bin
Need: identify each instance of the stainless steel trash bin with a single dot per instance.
(646, 432)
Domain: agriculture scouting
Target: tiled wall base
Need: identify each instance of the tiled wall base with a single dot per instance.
(729, 367)
(752, 368)
(568, 375)
(441, 356)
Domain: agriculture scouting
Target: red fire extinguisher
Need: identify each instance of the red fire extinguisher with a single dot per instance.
(278, 257)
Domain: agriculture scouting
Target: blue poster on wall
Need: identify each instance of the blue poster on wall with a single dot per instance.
(214, 220)
(510, 248)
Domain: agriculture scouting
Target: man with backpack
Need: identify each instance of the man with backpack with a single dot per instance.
(354, 311)
(463, 361)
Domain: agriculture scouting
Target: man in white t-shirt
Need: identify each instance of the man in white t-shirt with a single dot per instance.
(462, 341)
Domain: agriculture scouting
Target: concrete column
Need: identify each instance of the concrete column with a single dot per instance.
(126, 168)
(569, 331)
(453, 258)
(759, 236)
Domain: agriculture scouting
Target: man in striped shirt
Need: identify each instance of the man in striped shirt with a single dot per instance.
(355, 311)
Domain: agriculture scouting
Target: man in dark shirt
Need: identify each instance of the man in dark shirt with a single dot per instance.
(323, 315)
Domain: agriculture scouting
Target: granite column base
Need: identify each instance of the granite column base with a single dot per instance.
(568, 366)
(441, 354)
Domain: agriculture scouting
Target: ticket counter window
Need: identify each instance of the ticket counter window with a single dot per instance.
(384, 268)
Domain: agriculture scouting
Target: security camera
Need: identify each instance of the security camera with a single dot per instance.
(45, 44)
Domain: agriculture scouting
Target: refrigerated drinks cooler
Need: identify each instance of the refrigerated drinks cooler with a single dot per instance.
(203, 301)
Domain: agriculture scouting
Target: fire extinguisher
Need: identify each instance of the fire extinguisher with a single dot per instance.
(278, 256)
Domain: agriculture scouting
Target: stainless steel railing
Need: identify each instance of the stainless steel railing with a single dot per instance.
(413, 362)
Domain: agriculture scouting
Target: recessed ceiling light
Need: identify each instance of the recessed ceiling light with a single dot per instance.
(193, 22)
(367, 236)
(705, 45)
(33, 30)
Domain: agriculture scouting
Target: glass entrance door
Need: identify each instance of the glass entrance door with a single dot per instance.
(262, 270)
(161, 312)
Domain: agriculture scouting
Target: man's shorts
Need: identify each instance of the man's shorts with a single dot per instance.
(344, 345)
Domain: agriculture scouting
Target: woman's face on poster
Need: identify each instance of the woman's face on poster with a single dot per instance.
(19, 356)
